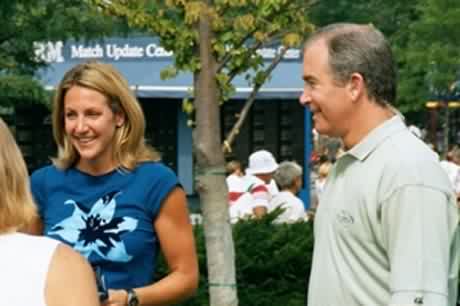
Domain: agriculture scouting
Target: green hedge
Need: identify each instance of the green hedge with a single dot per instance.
(272, 263)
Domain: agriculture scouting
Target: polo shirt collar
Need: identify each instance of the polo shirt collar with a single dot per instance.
(372, 140)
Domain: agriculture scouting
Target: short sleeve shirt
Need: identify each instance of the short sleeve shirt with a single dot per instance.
(386, 228)
(109, 219)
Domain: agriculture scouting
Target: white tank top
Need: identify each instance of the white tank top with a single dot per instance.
(24, 263)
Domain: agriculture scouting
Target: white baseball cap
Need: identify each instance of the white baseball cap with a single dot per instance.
(261, 162)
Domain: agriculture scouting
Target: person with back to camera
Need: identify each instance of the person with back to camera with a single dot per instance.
(256, 191)
(109, 197)
(35, 271)
(288, 177)
(386, 230)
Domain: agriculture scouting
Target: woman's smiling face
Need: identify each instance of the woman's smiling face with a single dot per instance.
(90, 125)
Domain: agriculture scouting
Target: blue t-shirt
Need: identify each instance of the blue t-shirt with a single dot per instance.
(108, 219)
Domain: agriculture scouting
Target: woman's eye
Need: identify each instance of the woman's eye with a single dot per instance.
(70, 115)
(93, 115)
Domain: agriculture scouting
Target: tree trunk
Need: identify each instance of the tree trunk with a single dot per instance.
(211, 176)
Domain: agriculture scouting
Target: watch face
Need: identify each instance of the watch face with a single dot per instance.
(132, 298)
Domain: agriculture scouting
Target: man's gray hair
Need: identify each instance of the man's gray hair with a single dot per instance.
(286, 174)
(355, 48)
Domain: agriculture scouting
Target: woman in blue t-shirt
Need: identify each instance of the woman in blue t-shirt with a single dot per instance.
(108, 196)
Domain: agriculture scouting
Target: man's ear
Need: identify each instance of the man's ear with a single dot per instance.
(356, 86)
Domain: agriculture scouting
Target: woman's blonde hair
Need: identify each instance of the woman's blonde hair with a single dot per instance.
(129, 143)
(17, 207)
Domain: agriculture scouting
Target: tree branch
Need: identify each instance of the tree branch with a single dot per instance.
(227, 145)
(232, 74)
(227, 57)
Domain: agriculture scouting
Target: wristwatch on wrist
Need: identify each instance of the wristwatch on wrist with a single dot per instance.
(133, 300)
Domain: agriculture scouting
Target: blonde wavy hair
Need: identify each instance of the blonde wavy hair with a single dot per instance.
(17, 207)
(129, 140)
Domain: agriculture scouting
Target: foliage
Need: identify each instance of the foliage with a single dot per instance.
(434, 48)
(423, 33)
(391, 17)
(272, 263)
(16, 89)
(240, 28)
(27, 22)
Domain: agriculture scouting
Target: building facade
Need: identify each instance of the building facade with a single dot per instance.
(276, 121)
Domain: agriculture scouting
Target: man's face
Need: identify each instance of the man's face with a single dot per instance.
(328, 100)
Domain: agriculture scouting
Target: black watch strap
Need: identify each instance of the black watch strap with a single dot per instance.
(133, 300)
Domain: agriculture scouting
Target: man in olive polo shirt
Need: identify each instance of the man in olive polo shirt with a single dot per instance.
(386, 227)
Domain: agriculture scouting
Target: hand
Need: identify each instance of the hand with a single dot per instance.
(116, 298)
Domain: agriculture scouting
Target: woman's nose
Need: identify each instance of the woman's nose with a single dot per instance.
(81, 125)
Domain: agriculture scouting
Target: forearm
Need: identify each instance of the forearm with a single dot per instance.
(173, 288)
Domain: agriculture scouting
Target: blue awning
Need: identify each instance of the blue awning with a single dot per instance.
(141, 59)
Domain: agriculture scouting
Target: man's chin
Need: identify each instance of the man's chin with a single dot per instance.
(322, 130)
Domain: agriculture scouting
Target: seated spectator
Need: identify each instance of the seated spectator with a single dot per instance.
(35, 271)
(256, 189)
(288, 176)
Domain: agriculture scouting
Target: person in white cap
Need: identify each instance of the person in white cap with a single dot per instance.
(256, 188)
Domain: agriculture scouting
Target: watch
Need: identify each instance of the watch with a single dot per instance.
(133, 300)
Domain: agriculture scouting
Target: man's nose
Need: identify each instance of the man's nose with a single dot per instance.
(304, 98)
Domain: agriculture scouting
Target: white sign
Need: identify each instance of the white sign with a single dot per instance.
(49, 52)
(119, 49)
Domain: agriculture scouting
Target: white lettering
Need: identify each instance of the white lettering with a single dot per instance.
(290, 53)
(152, 50)
(116, 52)
(49, 52)
(271, 53)
(81, 51)
(267, 53)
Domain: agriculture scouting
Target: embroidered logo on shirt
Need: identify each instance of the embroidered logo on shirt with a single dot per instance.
(96, 230)
(418, 300)
(345, 217)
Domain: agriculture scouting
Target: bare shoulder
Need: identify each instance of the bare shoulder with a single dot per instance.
(68, 258)
(70, 280)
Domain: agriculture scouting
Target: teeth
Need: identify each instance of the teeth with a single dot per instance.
(84, 140)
